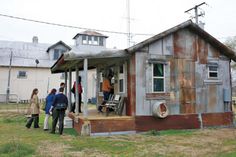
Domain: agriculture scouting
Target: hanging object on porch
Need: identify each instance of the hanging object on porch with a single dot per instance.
(160, 110)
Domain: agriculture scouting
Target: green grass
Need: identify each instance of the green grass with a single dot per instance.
(17, 141)
(16, 149)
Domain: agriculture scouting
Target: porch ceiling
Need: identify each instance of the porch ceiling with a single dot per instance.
(71, 59)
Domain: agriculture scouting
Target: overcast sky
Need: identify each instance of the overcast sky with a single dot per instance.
(147, 16)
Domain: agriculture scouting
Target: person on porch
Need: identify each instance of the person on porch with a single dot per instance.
(80, 91)
(107, 87)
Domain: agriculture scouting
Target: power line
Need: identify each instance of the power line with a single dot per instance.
(70, 26)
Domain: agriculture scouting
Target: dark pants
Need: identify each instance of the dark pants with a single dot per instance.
(106, 95)
(58, 114)
(35, 118)
(73, 105)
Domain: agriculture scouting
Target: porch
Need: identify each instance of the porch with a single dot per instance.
(99, 124)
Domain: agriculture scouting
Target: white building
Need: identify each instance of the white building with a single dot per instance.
(31, 63)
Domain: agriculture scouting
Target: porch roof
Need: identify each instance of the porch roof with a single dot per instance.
(69, 59)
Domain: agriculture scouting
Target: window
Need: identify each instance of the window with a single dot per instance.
(90, 40)
(57, 53)
(158, 78)
(95, 40)
(84, 39)
(100, 41)
(100, 83)
(121, 69)
(121, 85)
(212, 71)
(21, 74)
(121, 79)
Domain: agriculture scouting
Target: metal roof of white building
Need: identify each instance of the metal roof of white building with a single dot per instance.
(24, 54)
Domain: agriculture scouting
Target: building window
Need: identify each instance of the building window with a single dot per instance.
(158, 78)
(95, 40)
(90, 40)
(21, 74)
(212, 71)
(121, 79)
(100, 41)
(84, 39)
(100, 82)
(57, 53)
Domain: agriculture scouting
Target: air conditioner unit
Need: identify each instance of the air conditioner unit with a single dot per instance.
(160, 110)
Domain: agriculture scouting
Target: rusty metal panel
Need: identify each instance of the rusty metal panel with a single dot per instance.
(156, 48)
(168, 47)
(202, 51)
(148, 78)
(131, 88)
(174, 105)
(212, 52)
(142, 106)
(185, 45)
(224, 73)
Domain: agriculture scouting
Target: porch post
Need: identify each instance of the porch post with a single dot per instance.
(66, 94)
(85, 107)
(66, 83)
(76, 90)
(69, 96)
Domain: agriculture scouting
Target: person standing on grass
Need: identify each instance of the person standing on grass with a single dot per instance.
(58, 109)
(34, 109)
(49, 101)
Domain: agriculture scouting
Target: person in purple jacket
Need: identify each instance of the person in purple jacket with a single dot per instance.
(49, 101)
(58, 109)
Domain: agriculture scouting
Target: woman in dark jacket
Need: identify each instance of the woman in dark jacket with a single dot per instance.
(49, 101)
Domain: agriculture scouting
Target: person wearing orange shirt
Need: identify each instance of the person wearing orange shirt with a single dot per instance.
(106, 87)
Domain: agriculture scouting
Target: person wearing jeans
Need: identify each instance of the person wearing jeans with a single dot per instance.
(58, 108)
(49, 101)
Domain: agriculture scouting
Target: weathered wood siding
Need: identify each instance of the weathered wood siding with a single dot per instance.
(186, 57)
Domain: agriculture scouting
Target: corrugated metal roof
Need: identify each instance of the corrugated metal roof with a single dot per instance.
(69, 59)
(24, 54)
(90, 32)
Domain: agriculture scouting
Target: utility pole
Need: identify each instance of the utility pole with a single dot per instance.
(9, 79)
(128, 22)
(196, 11)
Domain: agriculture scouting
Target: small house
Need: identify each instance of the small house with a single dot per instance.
(184, 69)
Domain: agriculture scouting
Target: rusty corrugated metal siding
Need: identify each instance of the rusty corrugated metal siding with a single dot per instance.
(131, 81)
(188, 88)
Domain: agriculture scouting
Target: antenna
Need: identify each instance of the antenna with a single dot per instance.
(128, 22)
(202, 13)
